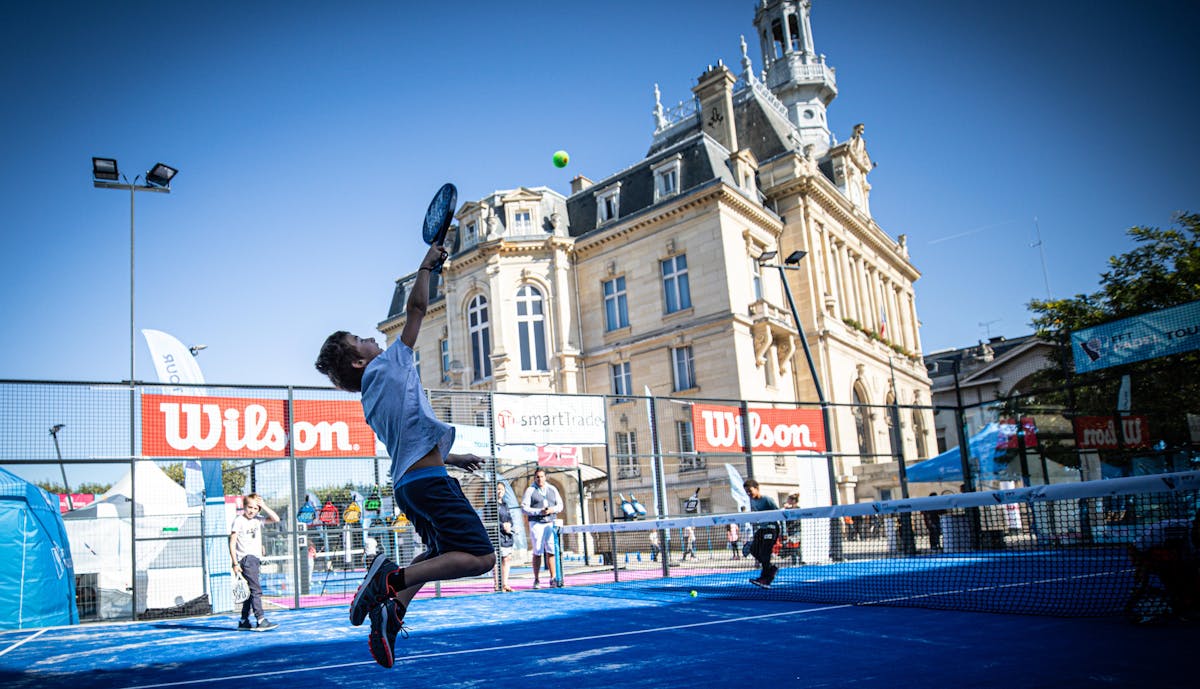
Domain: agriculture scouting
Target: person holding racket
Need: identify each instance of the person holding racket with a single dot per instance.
(541, 504)
(246, 551)
(762, 544)
(398, 411)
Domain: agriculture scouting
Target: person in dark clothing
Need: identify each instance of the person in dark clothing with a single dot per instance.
(505, 519)
(762, 544)
(933, 524)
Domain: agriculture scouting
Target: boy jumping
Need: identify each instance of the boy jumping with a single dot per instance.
(399, 413)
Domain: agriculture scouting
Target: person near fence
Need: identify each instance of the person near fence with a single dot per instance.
(398, 411)
(504, 518)
(245, 548)
(689, 542)
(734, 535)
(933, 524)
(1168, 550)
(762, 544)
(655, 548)
(540, 503)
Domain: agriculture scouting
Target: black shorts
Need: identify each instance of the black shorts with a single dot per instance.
(442, 516)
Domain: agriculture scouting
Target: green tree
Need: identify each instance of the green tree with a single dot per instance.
(83, 488)
(93, 488)
(1161, 271)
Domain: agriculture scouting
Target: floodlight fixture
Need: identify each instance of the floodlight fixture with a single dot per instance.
(105, 169)
(766, 256)
(795, 257)
(195, 349)
(160, 175)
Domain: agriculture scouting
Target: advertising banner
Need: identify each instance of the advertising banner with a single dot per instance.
(558, 456)
(1148, 336)
(1008, 433)
(174, 426)
(719, 429)
(1100, 432)
(549, 419)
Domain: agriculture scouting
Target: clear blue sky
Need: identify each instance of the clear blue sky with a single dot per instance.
(309, 137)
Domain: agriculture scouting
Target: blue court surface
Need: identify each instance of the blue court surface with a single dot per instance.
(624, 635)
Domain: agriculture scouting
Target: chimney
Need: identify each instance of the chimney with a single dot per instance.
(714, 90)
(580, 183)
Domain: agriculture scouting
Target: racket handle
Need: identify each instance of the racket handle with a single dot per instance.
(447, 242)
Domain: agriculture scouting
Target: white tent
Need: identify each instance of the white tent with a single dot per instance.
(101, 536)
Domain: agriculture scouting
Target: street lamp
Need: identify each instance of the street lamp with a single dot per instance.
(105, 175)
(58, 451)
(195, 349)
(792, 262)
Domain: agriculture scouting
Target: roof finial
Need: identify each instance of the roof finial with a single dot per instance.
(746, 66)
(660, 122)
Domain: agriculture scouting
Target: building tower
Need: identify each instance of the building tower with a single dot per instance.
(794, 71)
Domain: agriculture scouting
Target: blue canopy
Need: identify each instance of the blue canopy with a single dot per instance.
(37, 577)
(948, 465)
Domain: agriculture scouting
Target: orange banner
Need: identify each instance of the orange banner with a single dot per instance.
(719, 429)
(181, 426)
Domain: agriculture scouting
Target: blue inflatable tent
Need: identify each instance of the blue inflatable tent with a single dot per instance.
(37, 579)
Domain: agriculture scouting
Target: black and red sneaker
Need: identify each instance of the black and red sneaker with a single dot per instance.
(393, 614)
(374, 589)
(377, 640)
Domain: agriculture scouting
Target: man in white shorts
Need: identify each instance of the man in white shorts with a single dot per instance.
(540, 503)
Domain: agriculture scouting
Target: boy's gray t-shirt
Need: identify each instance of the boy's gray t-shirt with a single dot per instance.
(398, 411)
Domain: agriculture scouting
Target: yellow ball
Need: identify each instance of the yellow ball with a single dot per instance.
(694, 594)
(561, 159)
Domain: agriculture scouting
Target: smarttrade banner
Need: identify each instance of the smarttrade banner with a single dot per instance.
(785, 431)
(1148, 336)
(194, 426)
(548, 419)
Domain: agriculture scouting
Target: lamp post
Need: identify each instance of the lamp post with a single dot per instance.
(792, 262)
(58, 451)
(105, 175)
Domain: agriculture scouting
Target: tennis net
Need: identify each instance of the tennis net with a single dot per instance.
(1054, 550)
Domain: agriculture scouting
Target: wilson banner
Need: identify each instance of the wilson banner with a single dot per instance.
(719, 429)
(1100, 432)
(185, 426)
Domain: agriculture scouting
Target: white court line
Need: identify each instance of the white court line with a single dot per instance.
(31, 637)
(488, 649)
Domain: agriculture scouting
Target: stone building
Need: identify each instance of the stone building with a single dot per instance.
(650, 278)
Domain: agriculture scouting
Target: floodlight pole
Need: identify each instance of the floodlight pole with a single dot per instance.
(133, 188)
(835, 546)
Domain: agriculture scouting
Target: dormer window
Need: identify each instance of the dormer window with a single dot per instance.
(522, 222)
(472, 235)
(608, 204)
(666, 177)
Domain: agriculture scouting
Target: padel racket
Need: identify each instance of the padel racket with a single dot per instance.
(439, 215)
(637, 505)
(627, 511)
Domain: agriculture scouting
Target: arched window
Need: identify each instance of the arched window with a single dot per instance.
(531, 328)
(481, 338)
(862, 422)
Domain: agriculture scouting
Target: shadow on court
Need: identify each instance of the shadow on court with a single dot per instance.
(623, 637)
